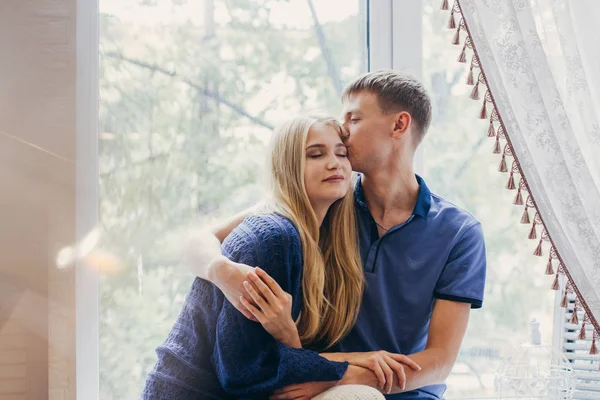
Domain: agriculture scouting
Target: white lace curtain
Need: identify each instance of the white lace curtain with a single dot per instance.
(540, 60)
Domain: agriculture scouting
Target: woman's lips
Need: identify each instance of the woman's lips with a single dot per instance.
(334, 178)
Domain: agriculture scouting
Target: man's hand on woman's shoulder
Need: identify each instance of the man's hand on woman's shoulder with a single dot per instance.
(229, 277)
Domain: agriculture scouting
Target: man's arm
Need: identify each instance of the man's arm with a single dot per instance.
(446, 331)
(224, 228)
(202, 253)
(202, 257)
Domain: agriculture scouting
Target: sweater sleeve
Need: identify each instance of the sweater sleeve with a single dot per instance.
(183, 369)
(249, 363)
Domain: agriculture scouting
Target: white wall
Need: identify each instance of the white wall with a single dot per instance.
(37, 198)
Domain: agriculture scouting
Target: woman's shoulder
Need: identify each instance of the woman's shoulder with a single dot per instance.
(269, 227)
(264, 235)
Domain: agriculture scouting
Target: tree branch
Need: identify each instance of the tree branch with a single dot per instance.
(329, 60)
(208, 93)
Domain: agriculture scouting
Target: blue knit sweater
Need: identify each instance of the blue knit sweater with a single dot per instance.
(214, 352)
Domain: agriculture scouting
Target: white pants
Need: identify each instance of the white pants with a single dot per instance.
(351, 392)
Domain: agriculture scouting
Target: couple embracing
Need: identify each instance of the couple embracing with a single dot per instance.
(340, 279)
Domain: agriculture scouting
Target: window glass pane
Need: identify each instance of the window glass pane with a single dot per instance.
(460, 167)
(189, 92)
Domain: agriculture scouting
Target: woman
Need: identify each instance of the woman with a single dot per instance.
(215, 352)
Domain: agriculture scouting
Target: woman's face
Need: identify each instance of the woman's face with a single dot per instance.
(327, 171)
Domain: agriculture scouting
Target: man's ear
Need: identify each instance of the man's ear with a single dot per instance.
(401, 124)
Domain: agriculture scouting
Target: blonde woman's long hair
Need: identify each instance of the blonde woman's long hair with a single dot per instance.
(333, 280)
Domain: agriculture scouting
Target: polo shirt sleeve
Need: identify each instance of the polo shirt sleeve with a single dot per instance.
(463, 277)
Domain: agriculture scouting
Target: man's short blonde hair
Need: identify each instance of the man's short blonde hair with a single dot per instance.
(396, 92)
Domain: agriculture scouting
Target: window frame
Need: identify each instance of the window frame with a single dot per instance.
(87, 355)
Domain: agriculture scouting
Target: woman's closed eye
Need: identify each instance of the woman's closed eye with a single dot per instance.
(317, 155)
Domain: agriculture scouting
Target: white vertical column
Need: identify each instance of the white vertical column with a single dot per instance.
(87, 296)
(379, 33)
(407, 48)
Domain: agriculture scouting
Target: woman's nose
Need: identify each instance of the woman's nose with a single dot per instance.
(333, 162)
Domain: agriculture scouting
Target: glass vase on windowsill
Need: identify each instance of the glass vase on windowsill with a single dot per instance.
(535, 371)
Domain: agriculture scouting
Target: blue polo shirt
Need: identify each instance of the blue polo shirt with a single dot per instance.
(438, 253)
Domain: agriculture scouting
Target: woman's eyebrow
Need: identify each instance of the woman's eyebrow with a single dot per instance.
(318, 145)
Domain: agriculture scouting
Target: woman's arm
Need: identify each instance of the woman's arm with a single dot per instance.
(272, 307)
(183, 369)
(248, 360)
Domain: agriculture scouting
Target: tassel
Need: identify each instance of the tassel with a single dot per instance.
(538, 249)
(475, 92)
(593, 349)
(491, 130)
(525, 217)
(496, 146)
(555, 284)
(532, 232)
(503, 167)
(518, 201)
(549, 269)
(511, 182)
(565, 300)
(451, 22)
(456, 38)
(462, 58)
(582, 331)
(444, 5)
(470, 76)
(574, 320)
(483, 112)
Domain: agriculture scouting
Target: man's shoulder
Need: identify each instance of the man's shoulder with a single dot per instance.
(448, 212)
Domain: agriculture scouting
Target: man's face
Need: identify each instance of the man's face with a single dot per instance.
(368, 131)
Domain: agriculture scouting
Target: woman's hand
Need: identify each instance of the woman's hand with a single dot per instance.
(385, 365)
(273, 307)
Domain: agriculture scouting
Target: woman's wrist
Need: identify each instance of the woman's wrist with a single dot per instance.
(293, 338)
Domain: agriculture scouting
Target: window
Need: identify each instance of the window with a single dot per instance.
(577, 351)
(460, 167)
(189, 92)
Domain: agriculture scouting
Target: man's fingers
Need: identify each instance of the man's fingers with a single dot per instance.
(263, 289)
(405, 360)
(272, 283)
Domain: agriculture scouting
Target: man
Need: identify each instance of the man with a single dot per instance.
(424, 258)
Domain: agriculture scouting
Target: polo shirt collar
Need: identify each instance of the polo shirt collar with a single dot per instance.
(423, 198)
